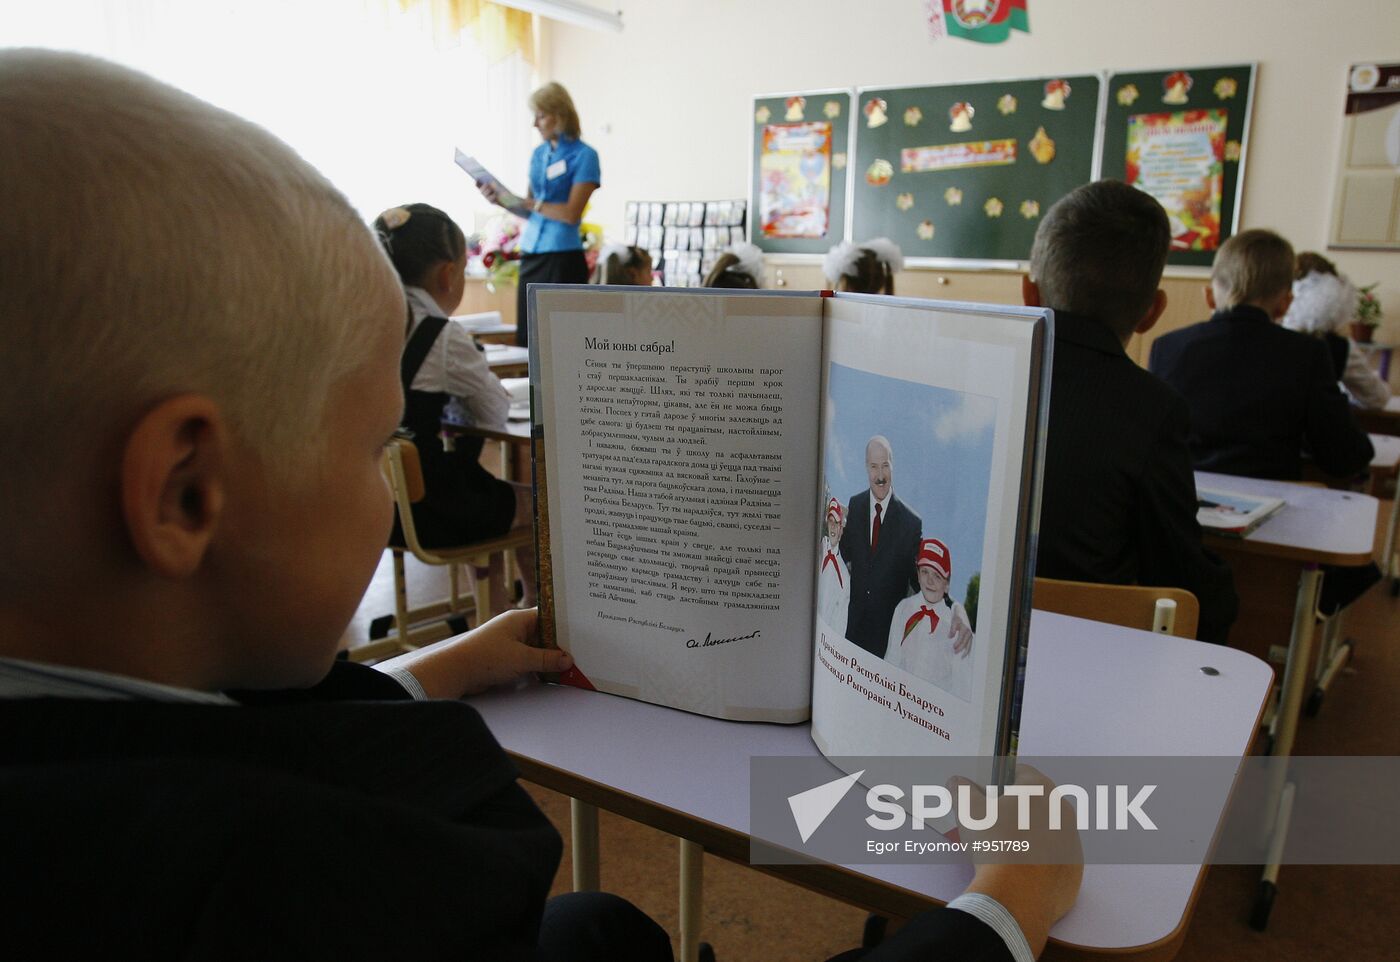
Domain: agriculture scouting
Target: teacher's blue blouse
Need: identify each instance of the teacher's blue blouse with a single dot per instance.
(542, 235)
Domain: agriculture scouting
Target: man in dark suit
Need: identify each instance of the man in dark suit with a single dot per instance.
(880, 545)
(1118, 502)
(1260, 394)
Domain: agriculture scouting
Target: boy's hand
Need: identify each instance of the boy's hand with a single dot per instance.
(1037, 895)
(489, 191)
(496, 653)
(507, 647)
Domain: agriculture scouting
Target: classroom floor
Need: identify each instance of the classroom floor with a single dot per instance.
(1322, 912)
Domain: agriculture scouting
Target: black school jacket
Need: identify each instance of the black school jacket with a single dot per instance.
(306, 830)
(1260, 395)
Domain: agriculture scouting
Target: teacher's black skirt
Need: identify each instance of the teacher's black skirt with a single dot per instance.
(560, 267)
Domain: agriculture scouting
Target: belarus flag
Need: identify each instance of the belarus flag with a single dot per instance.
(985, 21)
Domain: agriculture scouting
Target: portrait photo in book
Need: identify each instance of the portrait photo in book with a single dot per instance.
(906, 470)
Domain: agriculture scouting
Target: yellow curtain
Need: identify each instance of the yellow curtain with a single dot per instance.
(499, 31)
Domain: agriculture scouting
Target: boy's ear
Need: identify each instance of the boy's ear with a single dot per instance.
(1210, 297)
(1030, 291)
(1154, 313)
(174, 483)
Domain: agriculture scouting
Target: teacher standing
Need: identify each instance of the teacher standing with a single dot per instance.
(563, 175)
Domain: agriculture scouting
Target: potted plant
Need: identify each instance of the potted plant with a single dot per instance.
(1368, 314)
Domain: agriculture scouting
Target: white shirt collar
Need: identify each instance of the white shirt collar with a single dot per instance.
(884, 505)
(421, 303)
(33, 679)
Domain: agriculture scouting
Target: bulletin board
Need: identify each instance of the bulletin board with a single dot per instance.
(799, 185)
(1181, 135)
(1366, 200)
(965, 171)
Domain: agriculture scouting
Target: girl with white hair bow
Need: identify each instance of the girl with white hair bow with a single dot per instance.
(867, 268)
(1324, 301)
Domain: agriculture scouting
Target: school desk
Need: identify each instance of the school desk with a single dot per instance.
(1384, 421)
(487, 327)
(508, 360)
(688, 775)
(1316, 526)
(1385, 467)
(514, 441)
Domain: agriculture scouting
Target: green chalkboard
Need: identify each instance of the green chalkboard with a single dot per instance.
(1180, 135)
(966, 170)
(798, 176)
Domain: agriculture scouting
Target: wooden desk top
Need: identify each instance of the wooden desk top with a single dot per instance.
(1385, 421)
(689, 775)
(499, 355)
(1314, 525)
(515, 432)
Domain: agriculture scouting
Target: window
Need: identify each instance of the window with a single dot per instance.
(360, 88)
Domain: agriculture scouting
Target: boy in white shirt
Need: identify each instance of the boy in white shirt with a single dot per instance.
(925, 636)
(833, 577)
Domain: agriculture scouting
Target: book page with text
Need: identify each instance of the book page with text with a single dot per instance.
(680, 449)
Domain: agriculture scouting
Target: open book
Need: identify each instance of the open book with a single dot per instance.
(709, 466)
(1233, 513)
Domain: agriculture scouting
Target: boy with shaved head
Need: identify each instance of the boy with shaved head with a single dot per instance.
(1118, 501)
(199, 368)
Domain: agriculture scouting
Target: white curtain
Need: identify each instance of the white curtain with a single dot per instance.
(360, 88)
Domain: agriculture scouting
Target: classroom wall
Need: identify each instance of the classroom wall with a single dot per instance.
(666, 101)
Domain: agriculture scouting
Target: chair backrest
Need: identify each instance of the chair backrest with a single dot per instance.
(405, 472)
(403, 458)
(1132, 606)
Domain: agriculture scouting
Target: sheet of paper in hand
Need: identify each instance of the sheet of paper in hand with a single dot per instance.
(477, 172)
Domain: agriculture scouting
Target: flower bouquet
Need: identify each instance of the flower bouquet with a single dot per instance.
(498, 247)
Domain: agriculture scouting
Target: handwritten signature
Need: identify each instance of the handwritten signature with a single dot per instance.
(710, 640)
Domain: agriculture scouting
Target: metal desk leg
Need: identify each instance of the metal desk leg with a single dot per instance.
(1335, 653)
(692, 898)
(1295, 679)
(584, 818)
(1390, 560)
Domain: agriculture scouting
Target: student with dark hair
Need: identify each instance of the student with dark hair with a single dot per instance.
(624, 265)
(564, 173)
(1324, 302)
(867, 268)
(442, 366)
(738, 268)
(1118, 501)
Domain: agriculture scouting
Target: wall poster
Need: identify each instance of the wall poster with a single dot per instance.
(799, 170)
(1181, 134)
(1179, 158)
(794, 192)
